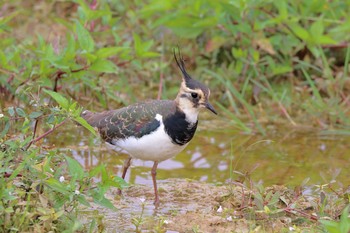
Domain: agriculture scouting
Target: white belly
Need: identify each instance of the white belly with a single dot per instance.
(156, 146)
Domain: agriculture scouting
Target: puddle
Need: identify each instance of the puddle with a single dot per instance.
(286, 157)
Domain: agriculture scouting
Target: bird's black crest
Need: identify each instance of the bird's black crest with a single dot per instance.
(181, 64)
(189, 81)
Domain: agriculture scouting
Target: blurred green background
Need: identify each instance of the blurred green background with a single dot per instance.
(265, 61)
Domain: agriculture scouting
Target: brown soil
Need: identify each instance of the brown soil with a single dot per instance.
(192, 206)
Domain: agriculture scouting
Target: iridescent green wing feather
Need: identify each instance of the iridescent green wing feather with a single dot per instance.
(135, 120)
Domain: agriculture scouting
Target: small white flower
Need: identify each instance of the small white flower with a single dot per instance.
(61, 179)
(229, 218)
(219, 210)
(52, 170)
(322, 147)
(76, 192)
(1, 115)
(268, 142)
(166, 221)
(291, 229)
(142, 199)
(222, 145)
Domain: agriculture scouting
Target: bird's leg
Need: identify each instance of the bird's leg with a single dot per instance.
(126, 165)
(154, 174)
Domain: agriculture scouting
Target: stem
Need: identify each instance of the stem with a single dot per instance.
(34, 133)
(295, 211)
(47, 133)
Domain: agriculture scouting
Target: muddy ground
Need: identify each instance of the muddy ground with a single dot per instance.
(192, 206)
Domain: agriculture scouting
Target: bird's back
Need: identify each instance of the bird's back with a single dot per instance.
(139, 119)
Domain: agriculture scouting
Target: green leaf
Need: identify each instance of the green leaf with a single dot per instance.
(57, 186)
(60, 63)
(20, 112)
(47, 164)
(84, 38)
(137, 44)
(141, 48)
(69, 52)
(75, 169)
(8, 18)
(156, 6)
(317, 96)
(34, 115)
(6, 129)
(82, 200)
(73, 108)
(122, 183)
(103, 201)
(206, 22)
(3, 60)
(281, 69)
(325, 39)
(282, 9)
(110, 51)
(187, 32)
(345, 220)
(183, 26)
(149, 54)
(316, 28)
(118, 183)
(92, 226)
(299, 31)
(331, 226)
(25, 141)
(96, 170)
(62, 101)
(103, 65)
(86, 125)
(22, 165)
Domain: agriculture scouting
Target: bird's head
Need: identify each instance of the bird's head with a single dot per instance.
(193, 94)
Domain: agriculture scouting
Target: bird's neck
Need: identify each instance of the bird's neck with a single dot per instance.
(185, 106)
(191, 114)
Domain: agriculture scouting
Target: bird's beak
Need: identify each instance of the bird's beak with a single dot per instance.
(211, 108)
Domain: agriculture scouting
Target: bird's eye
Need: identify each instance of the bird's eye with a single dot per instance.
(194, 95)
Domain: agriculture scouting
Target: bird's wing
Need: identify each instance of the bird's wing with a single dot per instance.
(135, 120)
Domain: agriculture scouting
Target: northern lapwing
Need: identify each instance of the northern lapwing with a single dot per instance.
(155, 130)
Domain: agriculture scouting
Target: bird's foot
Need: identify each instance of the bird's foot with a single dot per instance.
(119, 192)
(156, 202)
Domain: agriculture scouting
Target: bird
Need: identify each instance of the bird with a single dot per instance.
(154, 130)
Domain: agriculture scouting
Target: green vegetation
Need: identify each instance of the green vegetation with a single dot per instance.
(41, 188)
(342, 226)
(266, 62)
(327, 204)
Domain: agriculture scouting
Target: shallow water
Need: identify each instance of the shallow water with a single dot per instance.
(286, 157)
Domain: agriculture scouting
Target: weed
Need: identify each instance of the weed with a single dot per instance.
(139, 220)
(343, 225)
